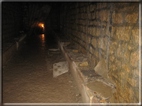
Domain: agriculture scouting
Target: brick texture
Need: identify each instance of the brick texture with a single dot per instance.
(107, 31)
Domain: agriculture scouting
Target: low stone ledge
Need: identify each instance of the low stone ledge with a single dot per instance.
(8, 53)
(19, 40)
(9, 49)
(93, 87)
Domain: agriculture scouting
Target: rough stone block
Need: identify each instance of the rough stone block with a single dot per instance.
(93, 61)
(117, 18)
(132, 82)
(104, 15)
(130, 92)
(97, 15)
(134, 59)
(136, 72)
(91, 23)
(126, 68)
(127, 7)
(115, 76)
(132, 18)
(123, 33)
(97, 54)
(135, 36)
(83, 64)
(93, 16)
(94, 31)
(101, 89)
(123, 52)
(91, 30)
(91, 50)
(101, 5)
(75, 51)
(118, 63)
(94, 42)
(113, 47)
(126, 56)
(101, 68)
(98, 31)
(115, 68)
(88, 39)
(119, 51)
(113, 29)
(132, 46)
(92, 7)
(112, 58)
(102, 43)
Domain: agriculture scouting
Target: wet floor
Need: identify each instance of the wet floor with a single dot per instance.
(28, 76)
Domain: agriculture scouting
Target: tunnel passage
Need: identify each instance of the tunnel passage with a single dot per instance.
(107, 33)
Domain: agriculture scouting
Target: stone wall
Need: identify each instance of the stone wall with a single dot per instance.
(11, 20)
(107, 31)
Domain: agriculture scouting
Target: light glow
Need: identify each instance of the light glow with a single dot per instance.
(41, 25)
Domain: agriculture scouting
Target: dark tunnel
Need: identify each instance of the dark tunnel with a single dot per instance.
(71, 52)
(28, 17)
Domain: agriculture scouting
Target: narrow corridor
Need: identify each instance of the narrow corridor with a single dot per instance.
(100, 41)
(27, 78)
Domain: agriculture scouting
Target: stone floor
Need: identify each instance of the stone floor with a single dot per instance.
(28, 76)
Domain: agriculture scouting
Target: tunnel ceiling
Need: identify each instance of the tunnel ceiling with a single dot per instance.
(37, 12)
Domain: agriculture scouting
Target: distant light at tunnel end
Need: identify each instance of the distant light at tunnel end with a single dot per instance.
(41, 25)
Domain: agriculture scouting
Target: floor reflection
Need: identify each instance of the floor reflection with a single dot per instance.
(42, 38)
